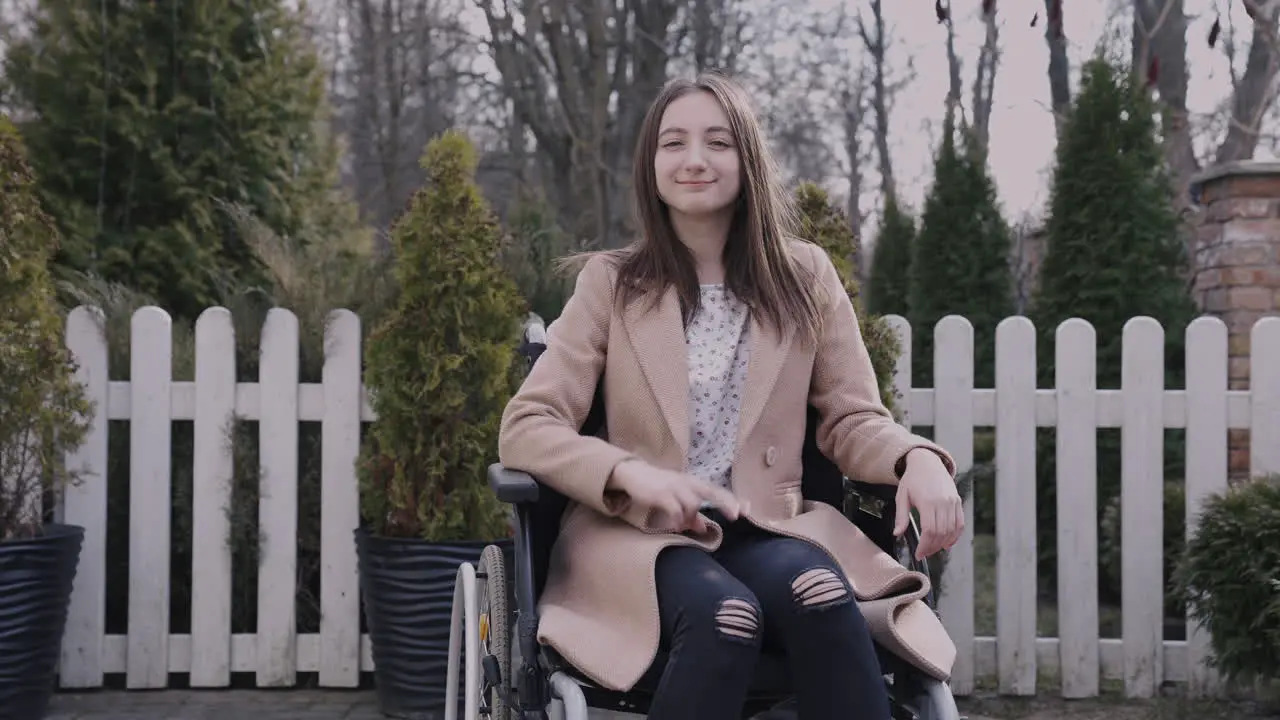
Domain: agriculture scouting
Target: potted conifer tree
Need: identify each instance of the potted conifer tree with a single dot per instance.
(43, 413)
(440, 369)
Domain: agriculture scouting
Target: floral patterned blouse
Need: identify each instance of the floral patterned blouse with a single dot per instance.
(718, 353)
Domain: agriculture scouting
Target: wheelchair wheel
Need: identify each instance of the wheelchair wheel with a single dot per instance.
(495, 634)
(930, 699)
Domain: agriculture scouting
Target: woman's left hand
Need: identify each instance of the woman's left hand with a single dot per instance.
(928, 487)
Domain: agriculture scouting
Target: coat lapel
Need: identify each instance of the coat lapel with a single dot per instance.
(768, 354)
(662, 352)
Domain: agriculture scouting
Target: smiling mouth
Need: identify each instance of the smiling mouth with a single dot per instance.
(695, 182)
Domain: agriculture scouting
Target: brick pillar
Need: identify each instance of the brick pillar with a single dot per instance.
(1237, 264)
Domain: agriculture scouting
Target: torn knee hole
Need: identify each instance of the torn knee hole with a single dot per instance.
(819, 587)
(738, 618)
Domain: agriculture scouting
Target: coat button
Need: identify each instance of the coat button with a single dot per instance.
(771, 456)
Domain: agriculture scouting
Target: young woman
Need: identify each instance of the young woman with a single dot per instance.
(712, 335)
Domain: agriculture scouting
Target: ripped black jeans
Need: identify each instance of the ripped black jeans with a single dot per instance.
(760, 592)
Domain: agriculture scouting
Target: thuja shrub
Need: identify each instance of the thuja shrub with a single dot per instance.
(1229, 576)
(443, 363)
(43, 410)
(825, 225)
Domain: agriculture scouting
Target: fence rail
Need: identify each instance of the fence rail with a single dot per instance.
(1142, 408)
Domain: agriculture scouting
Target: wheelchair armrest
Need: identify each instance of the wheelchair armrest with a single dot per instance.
(876, 500)
(514, 487)
(884, 493)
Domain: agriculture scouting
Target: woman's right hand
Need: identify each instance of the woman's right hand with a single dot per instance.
(671, 500)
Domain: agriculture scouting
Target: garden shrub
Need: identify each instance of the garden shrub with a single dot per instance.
(43, 409)
(826, 225)
(1110, 566)
(443, 364)
(1230, 578)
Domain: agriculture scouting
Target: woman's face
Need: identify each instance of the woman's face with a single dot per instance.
(697, 165)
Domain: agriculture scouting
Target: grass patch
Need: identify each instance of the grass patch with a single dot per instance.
(984, 598)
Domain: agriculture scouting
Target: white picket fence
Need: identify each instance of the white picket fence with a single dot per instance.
(1142, 408)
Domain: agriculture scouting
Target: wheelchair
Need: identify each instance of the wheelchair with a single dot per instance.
(508, 675)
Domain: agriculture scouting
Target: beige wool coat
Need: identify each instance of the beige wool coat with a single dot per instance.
(599, 609)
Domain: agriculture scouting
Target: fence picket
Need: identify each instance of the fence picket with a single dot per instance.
(278, 501)
(1016, 505)
(1207, 463)
(1264, 385)
(150, 497)
(1075, 386)
(85, 504)
(1142, 506)
(902, 368)
(953, 429)
(339, 504)
(211, 479)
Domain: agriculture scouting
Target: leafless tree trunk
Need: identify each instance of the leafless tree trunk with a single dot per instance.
(1055, 37)
(876, 42)
(714, 34)
(984, 80)
(395, 90)
(954, 91)
(1255, 91)
(853, 105)
(580, 75)
(1159, 51)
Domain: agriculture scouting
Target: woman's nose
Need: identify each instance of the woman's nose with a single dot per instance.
(695, 157)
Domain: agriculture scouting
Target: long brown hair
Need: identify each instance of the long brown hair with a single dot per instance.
(759, 268)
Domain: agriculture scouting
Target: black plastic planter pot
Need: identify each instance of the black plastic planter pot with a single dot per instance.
(35, 588)
(407, 586)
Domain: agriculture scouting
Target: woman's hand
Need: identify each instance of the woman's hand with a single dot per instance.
(671, 500)
(928, 487)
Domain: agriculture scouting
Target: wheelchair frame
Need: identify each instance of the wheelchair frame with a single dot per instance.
(536, 677)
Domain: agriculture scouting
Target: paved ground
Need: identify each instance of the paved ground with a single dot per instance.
(216, 705)
(236, 705)
(358, 705)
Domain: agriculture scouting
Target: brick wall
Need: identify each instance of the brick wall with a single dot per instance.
(1237, 264)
